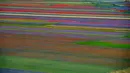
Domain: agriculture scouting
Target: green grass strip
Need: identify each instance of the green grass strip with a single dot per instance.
(50, 66)
(127, 35)
(26, 25)
(103, 44)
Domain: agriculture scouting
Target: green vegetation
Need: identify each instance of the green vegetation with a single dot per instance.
(127, 35)
(4, 0)
(50, 66)
(26, 25)
(103, 44)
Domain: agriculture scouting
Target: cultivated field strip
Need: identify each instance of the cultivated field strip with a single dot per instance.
(65, 37)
